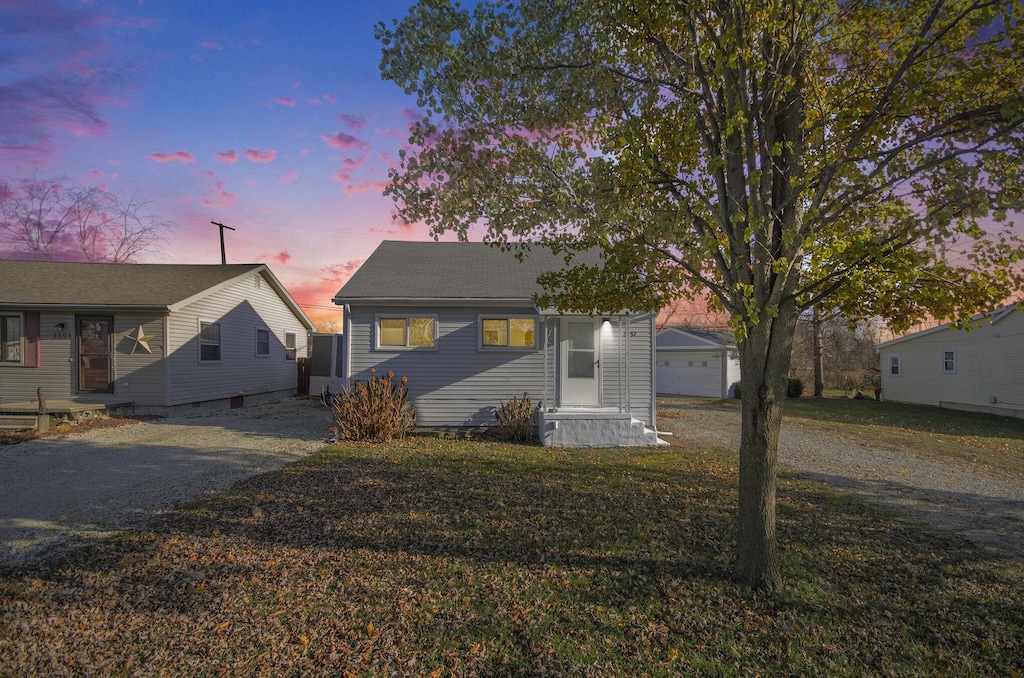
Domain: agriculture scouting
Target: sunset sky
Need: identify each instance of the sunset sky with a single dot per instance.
(269, 117)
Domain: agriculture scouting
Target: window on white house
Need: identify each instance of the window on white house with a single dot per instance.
(948, 361)
(262, 341)
(11, 335)
(209, 342)
(508, 332)
(895, 366)
(406, 332)
(289, 346)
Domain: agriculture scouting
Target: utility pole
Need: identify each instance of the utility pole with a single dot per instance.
(223, 257)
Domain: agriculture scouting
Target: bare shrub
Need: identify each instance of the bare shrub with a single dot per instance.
(515, 419)
(375, 410)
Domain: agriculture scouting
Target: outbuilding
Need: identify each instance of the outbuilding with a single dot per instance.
(697, 362)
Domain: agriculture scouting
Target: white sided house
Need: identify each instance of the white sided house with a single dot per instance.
(981, 370)
(147, 338)
(460, 320)
(697, 362)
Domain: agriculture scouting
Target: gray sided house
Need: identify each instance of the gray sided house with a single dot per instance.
(461, 322)
(697, 362)
(981, 370)
(154, 338)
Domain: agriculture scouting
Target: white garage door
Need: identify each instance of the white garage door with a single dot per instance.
(692, 373)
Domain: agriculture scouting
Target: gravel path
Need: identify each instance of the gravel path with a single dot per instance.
(95, 482)
(985, 510)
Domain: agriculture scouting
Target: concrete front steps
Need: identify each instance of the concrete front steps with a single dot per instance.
(594, 428)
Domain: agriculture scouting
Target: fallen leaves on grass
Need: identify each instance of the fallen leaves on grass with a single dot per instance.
(441, 557)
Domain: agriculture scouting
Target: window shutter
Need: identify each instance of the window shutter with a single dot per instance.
(31, 338)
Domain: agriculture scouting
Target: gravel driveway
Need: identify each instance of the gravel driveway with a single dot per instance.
(987, 511)
(99, 481)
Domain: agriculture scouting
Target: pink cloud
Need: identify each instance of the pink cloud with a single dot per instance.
(295, 84)
(314, 102)
(60, 70)
(343, 177)
(255, 156)
(288, 178)
(366, 186)
(286, 101)
(354, 163)
(218, 197)
(344, 142)
(179, 156)
(212, 44)
(229, 157)
(353, 121)
(281, 257)
(329, 99)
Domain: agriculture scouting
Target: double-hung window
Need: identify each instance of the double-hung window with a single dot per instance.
(289, 346)
(508, 332)
(209, 342)
(895, 365)
(262, 342)
(406, 332)
(11, 335)
(948, 361)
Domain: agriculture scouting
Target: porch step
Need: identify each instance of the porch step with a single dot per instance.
(594, 429)
(17, 422)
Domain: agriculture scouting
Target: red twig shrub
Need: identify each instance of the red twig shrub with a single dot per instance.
(375, 410)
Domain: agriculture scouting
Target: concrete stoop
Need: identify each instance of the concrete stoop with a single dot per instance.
(594, 428)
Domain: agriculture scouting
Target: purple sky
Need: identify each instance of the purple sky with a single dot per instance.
(270, 117)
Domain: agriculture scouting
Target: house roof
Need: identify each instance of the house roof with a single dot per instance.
(162, 286)
(681, 338)
(992, 317)
(416, 272)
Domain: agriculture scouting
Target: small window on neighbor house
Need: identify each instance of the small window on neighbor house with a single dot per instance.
(209, 342)
(10, 338)
(508, 332)
(405, 332)
(262, 342)
(289, 346)
(895, 366)
(948, 361)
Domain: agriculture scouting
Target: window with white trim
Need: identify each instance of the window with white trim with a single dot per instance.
(508, 332)
(895, 368)
(262, 342)
(289, 346)
(209, 342)
(406, 332)
(948, 361)
(11, 336)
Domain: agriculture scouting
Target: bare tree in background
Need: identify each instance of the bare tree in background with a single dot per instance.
(55, 219)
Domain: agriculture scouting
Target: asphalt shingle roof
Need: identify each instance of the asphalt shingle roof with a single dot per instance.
(451, 270)
(78, 284)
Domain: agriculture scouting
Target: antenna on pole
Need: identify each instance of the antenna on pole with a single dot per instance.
(223, 257)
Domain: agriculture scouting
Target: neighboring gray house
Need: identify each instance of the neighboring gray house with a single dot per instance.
(697, 362)
(461, 322)
(160, 338)
(981, 370)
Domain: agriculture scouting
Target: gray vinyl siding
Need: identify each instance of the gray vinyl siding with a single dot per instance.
(989, 364)
(239, 308)
(138, 376)
(457, 384)
(55, 374)
(640, 395)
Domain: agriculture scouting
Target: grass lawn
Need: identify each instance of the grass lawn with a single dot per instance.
(444, 557)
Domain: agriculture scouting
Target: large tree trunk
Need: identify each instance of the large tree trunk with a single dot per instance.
(764, 365)
(819, 378)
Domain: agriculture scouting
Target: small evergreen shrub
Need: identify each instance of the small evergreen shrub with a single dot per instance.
(515, 419)
(795, 388)
(375, 410)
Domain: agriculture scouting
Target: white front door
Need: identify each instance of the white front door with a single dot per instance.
(580, 351)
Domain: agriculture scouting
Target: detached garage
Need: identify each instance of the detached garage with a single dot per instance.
(696, 362)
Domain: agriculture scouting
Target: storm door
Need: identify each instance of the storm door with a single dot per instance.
(95, 353)
(581, 363)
